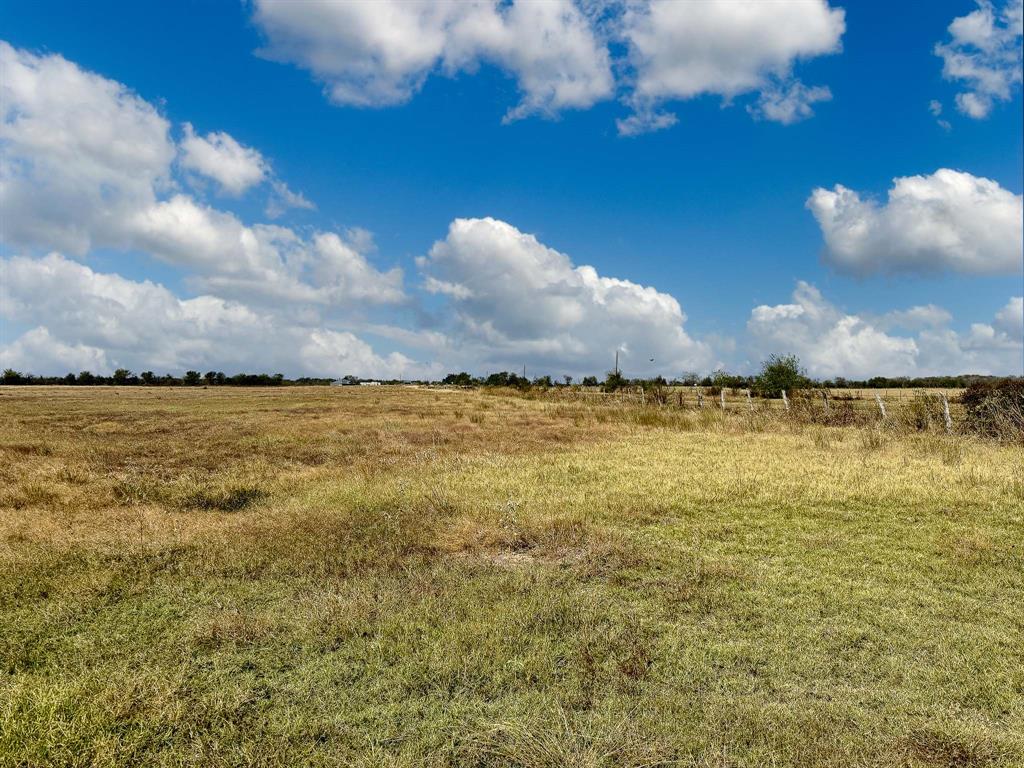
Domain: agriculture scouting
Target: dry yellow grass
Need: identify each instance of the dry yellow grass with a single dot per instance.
(425, 577)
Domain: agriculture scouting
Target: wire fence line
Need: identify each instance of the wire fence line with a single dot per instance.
(939, 407)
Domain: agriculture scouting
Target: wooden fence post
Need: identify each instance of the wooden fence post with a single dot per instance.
(945, 413)
(700, 399)
(750, 402)
(721, 397)
(824, 396)
(785, 400)
(881, 405)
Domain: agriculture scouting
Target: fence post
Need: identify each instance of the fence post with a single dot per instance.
(750, 401)
(881, 405)
(700, 399)
(721, 397)
(824, 396)
(945, 413)
(785, 400)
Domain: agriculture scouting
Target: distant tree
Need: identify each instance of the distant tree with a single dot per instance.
(722, 379)
(461, 379)
(69, 379)
(590, 381)
(781, 372)
(210, 377)
(543, 381)
(690, 379)
(85, 377)
(11, 376)
(192, 378)
(147, 377)
(615, 380)
(568, 380)
(506, 379)
(122, 376)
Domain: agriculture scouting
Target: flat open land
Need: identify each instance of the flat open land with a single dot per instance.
(393, 576)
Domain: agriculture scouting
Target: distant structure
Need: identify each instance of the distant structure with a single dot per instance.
(354, 381)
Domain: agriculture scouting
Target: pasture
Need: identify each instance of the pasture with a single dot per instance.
(394, 576)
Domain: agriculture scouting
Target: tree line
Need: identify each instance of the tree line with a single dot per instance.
(777, 373)
(123, 377)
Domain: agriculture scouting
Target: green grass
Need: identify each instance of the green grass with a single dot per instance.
(363, 579)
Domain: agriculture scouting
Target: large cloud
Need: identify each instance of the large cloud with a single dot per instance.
(1010, 319)
(259, 261)
(681, 50)
(380, 53)
(79, 152)
(87, 164)
(833, 343)
(518, 301)
(984, 54)
(86, 320)
(947, 221)
(562, 53)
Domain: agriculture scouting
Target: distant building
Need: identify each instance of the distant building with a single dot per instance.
(352, 381)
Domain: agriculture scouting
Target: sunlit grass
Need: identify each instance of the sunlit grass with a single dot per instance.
(421, 577)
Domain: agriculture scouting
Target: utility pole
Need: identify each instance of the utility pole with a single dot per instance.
(616, 362)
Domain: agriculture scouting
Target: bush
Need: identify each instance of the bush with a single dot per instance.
(781, 372)
(615, 381)
(995, 408)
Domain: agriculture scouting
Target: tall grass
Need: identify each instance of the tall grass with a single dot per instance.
(308, 576)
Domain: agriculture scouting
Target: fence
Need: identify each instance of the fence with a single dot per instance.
(919, 408)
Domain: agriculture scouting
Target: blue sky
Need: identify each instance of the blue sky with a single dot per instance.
(711, 211)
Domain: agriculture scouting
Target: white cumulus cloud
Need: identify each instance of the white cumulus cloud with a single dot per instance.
(78, 152)
(1010, 319)
(218, 156)
(831, 342)
(984, 55)
(949, 220)
(563, 54)
(86, 164)
(518, 301)
(681, 50)
(380, 53)
(87, 320)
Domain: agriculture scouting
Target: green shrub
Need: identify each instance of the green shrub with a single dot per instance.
(781, 372)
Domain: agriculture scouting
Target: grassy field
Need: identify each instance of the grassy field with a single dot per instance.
(406, 577)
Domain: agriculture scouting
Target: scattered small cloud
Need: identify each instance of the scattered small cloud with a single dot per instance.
(219, 157)
(983, 54)
(788, 102)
